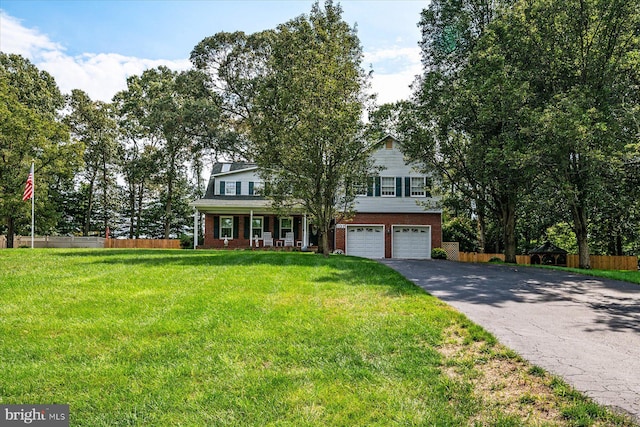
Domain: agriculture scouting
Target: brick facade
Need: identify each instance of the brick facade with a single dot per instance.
(389, 219)
(240, 241)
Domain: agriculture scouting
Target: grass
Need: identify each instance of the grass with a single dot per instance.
(623, 275)
(193, 338)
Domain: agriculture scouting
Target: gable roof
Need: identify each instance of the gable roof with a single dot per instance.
(229, 167)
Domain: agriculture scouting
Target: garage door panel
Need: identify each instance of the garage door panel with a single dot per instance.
(412, 242)
(365, 241)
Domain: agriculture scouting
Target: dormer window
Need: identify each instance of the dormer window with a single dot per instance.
(230, 188)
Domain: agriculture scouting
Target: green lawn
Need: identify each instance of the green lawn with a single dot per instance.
(205, 338)
(624, 275)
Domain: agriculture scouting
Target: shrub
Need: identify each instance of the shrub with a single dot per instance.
(438, 253)
(496, 260)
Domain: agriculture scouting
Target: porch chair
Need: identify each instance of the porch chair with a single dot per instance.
(288, 239)
(267, 240)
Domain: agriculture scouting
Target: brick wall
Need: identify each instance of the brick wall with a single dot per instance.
(210, 242)
(387, 219)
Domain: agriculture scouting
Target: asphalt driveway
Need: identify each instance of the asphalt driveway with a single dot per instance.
(584, 329)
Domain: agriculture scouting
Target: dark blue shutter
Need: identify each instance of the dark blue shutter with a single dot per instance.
(296, 225)
(377, 186)
(216, 227)
(251, 188)
(398, 186)
(265, 224)
(276, 228)
(238, 188)
(407, 186)
(236, 226)
(246, 227)
(222, 188)
(370, 186)
(427, 187)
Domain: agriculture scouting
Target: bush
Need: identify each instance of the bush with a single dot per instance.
(496, 260)
(438, 253)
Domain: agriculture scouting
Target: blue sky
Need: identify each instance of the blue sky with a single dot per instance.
(94, 45)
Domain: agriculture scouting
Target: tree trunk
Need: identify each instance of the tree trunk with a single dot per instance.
(508, 209)
(10, 231)
(580, 228)
(167, 212)
(139, 210)
(325, 239)
(105, 196)
(88, 211)
(132, 209)
(482, 228)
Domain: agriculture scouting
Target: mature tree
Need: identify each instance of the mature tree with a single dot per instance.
(235, 64)
(293, 99)
(30, 129)
(176, 116)
(308, 133)
(471, 113)
(92, 123)
(581, 61)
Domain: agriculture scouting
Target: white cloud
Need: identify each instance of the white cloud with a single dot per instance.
(394, 70)
(406, 54)
(100, 75)
(14, 38)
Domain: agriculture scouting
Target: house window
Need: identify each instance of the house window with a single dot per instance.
(361, 189)
(388, 144)
(286, 226)
(256, 225)
(418, 187)
(226, 227)
(258, 188)
(230, 188)
(388, 186)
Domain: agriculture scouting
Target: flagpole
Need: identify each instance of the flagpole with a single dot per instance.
(33, 210)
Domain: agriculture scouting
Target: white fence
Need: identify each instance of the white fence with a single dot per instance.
(57, 242)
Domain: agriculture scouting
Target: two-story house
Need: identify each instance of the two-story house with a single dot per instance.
(395, 216)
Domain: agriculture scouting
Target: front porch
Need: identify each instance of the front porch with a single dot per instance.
(258, 230)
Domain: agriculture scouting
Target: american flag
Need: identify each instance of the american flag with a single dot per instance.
(28, 188)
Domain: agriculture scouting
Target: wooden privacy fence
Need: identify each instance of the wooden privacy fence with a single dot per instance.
(142, 243)
(598, 262)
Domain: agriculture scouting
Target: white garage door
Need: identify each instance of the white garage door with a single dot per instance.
(365, 241)
(411, 242)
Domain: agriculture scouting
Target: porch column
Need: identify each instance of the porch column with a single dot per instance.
(195, 229)
(305, 230)
(251, 228)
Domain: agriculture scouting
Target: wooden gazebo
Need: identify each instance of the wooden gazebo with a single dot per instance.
(548, 254)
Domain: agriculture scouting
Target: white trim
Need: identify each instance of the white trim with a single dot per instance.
(424, 186)
(220, 236)
(280, 218)
(252, 168)
(393, 180)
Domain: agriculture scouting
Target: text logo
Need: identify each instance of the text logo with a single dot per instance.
(34, 415)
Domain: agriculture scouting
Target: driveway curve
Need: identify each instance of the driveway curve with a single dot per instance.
(583, 329)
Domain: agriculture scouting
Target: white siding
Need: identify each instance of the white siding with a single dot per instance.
(244, 177)
(393, 163)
